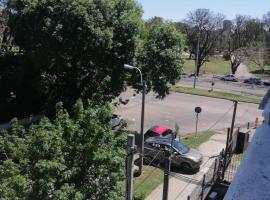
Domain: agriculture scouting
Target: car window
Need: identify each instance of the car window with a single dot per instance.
(150, 133)
(168, 132)
(180, 147)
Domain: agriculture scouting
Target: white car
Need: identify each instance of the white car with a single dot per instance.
(229, 77)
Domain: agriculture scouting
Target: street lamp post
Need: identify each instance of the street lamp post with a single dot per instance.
(126, 66)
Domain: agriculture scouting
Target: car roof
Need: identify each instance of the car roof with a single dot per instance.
(159, 129)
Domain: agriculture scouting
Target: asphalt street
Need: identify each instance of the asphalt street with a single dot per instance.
(236, 87)
(178, 109)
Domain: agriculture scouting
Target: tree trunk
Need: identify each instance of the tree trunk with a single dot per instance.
(199, 64)
(234, 66)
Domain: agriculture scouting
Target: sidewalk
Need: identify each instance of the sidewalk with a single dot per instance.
(182, 185)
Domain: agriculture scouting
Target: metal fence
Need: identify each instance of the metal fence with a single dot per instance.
(205, 185)
(222, 169)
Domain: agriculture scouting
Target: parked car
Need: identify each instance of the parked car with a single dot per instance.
(116, 121)
(266, 82)
(184, 158)
(229, 77)
(158, 131)
(253, 80)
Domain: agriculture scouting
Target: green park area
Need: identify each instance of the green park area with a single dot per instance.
(212, 66)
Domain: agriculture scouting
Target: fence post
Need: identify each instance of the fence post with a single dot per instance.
(188, 198)
(248, 125)
(228, 142)
(129, 166)
(214, 173)
(203, 183)
(220, 163)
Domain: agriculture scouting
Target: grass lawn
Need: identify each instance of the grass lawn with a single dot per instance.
(148, 181)
(153, 177)
(194, 142)
(215, 65)
(216, 94)
(255, 69)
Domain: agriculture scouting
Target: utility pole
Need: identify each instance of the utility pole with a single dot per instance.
(167, 171)
(166, 177)
(143, 84)
(196, 62)
(233, 119)
(129, 166)
(142, 124)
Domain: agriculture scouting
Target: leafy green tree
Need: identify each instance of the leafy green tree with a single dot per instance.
(204, 34)
(78, 46)
(73, 157)
(244, 32)
(160, 57)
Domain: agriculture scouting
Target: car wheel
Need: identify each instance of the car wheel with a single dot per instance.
(186, 167)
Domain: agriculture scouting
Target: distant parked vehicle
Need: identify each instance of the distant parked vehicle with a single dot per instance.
(266, 82)
(116, 120)
(158, 131)
(183, 157)
(229, 77)
(257, 81)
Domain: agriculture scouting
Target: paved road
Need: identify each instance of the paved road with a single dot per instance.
(179, 108)
(237, 87)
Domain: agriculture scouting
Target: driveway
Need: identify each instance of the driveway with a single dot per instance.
(178, 109)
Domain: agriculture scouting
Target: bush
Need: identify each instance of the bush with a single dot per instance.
(72, 157)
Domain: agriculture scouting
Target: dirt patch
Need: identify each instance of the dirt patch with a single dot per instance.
(243, 72)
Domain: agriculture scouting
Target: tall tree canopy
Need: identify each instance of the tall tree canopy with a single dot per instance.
(204, 32)
(160, 58)
(70, 158)
(243, 35)
(78, 48)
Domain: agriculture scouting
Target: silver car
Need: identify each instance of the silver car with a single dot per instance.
(184, 158)
(229, 77)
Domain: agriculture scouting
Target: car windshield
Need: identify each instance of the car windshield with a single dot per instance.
(180, 147)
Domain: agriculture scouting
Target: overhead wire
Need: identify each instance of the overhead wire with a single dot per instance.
(219, 119)
(151, 172)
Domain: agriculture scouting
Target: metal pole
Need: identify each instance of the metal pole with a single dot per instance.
(142, 131)
(129, 168)
(233, 119)
(166, 177)
(225, 154)
(214, 173)
(167, 171)
(196, 63)
(197, 119)
(203, 183)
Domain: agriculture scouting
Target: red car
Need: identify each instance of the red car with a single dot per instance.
(158, 131)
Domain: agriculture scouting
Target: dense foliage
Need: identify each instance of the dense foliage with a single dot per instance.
(77, 49)
(238, 40)
(76, 157)
(79, 46)
(160, 57)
